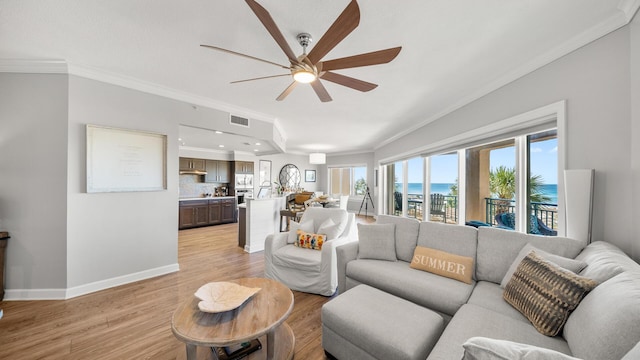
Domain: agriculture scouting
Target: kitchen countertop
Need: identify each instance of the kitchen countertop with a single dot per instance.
(206, 198)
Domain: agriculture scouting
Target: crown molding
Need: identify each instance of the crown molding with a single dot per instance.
(627, 9)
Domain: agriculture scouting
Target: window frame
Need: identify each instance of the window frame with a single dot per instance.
(352, 180)
(518, 126)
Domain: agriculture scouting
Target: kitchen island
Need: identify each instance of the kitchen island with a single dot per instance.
(206, 211)
(261, 218)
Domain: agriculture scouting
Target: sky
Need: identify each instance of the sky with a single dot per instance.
(444, 168)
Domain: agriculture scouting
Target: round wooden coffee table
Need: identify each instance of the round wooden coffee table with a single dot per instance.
(262, 316)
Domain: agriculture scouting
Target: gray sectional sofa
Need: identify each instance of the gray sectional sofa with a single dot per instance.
(605, 325)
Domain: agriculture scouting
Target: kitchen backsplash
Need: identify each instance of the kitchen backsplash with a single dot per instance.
(192, 186)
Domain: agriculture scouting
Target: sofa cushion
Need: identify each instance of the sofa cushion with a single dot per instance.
(376, 242)
(605, 261)
(397, 278)
(319, 215)
(497, 248)
(472, 320)
(454, 239)
(443, 263)
(298, 258)
(331, 229)
(309, 240)
(545, 293)
(306, 226)
(489, 295)
(482, 348)
(606, 324)
(406, 234)
(570, 264)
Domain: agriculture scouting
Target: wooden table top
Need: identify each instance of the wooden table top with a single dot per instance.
(265, 311)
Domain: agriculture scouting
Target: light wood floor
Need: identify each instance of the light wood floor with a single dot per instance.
(133, 321)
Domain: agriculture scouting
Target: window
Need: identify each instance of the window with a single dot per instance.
(350, 181)
(504, 174)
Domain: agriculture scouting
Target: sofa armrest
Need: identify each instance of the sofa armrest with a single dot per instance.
(345, 253)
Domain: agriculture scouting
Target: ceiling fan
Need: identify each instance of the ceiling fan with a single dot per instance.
(308, 68)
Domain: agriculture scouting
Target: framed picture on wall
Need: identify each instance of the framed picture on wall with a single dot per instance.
(310, 175)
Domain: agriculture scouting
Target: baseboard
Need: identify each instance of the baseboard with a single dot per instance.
(62, 294)
(34, 294)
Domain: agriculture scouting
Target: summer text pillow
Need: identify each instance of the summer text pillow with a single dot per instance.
(309, 241)
(377, 241)
(570, 264)
(306, 226)
(443, 263)
(545, 293)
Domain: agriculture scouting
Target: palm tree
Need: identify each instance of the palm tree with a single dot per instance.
(502, 184)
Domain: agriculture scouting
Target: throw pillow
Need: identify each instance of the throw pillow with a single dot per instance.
(545, 293)
(330, 228)
(443, 263)
(306, 226)
(570, 264)
(309, 241)
(482, 348)
(377, 241)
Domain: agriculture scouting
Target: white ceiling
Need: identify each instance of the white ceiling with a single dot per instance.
(452, 52)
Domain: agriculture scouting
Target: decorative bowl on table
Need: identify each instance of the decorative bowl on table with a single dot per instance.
(323, 197)
(223, 296)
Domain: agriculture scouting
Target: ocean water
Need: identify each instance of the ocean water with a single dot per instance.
(551, 190)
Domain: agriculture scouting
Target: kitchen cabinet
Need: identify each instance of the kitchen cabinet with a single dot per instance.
(217, 171)
(189, 164)
(194, 213)
(244, 167)
(228, 210)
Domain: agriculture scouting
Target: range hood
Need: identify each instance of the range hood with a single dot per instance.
(192, 172)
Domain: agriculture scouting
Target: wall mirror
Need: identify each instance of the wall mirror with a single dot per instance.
(289, 176)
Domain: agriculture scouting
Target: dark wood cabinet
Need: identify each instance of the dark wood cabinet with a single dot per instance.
(215, 212)
(189, 164)
(194, 213)
(243, 167)
(217, 171)
(228, 207)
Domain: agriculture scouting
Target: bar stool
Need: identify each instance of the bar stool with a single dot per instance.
(289, 215)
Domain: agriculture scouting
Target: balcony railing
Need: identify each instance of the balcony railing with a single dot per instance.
(546, 212)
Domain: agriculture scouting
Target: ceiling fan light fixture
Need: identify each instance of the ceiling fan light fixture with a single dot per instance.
(304, 76)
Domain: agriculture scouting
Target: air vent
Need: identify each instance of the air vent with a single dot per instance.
(237, 120)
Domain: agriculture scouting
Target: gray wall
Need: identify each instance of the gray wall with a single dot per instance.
(595, 82)
(635, 133)
(116, 234)
(351, 160)
(33, 179)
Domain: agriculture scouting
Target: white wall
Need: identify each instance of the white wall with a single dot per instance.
(33, 181)
(595, 82)
(117, 234)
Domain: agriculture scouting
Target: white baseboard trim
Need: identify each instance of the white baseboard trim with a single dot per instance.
(34, 294)
(63, 294)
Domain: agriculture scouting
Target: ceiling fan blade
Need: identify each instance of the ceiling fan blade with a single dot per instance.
(266, 19)
(348, 81)
(343, 26)
(287, 91)
(372, 58)
(243, 55)
(259, 78)
(320, 91)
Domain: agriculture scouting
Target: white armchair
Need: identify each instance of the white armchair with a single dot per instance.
(307, 270)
